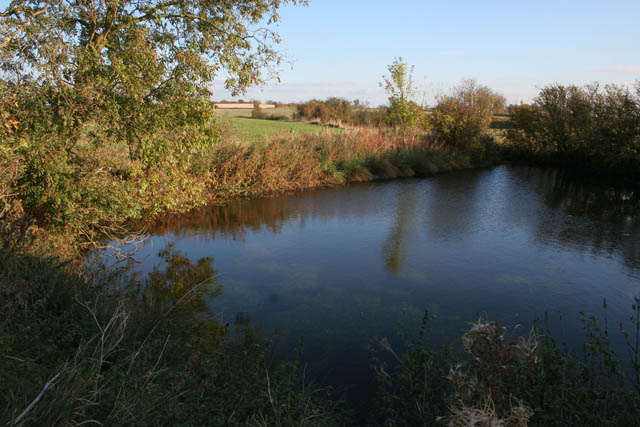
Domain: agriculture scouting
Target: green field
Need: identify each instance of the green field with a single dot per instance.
(253, 130)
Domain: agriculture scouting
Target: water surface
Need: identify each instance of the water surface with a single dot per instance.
(341, 266)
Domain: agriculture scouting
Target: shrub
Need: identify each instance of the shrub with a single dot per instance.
(587, 127)
(460, 118)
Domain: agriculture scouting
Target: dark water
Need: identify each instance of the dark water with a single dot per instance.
(343, 265)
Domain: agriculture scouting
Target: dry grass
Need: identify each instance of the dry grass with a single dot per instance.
(289, 163)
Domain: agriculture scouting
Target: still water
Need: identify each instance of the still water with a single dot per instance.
(344, 265)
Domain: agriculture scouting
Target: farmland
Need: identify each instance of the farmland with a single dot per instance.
(287, 112)
(238, 124)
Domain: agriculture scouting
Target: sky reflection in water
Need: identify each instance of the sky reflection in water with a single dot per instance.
(340, 266)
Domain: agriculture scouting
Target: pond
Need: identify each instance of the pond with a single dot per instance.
(343, 265)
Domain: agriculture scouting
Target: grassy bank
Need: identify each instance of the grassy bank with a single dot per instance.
(287, 163)
(77, 345)
(81, 344)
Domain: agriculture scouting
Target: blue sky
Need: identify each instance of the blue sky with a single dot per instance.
(342, 48)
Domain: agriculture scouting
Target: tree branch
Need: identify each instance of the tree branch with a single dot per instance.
(23, 26)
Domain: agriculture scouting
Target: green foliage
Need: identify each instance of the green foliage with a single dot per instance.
(587, 127)
(105, 106)
(460, 118)
(415, 391)
(402, 113)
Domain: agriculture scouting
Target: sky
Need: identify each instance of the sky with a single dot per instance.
(343, 47)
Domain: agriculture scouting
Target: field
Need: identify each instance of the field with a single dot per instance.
(253, 130)
(246, 112)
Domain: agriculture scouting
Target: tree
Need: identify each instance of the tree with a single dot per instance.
(339, 109)
(140, 69)
(590, 127)
(460, 117)
(257, 113)
(402, 112)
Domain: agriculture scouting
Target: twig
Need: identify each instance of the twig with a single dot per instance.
(46, 387)
(23, 25)
(269, 391)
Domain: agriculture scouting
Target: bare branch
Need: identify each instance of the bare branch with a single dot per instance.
(23, 25)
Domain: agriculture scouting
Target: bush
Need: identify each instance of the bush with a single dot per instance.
(280, 117)
(460, 118)
(587, 127)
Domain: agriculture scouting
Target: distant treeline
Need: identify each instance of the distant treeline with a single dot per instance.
(592, 128)
(339, 111)
(457, 118)
(252, 101)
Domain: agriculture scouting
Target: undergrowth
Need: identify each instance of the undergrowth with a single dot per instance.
(87, 348)
(505, 379)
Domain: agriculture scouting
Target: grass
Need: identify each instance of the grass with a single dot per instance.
(253, 130)
(241, 126)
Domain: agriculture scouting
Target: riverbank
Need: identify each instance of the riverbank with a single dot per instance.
(54, 198)
(78, 346)
(591, 129)
(288, 163)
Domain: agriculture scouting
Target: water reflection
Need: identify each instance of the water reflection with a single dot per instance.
(553, 208)
(395, 246)
(590, 216)
(452, 203)
(342, 265)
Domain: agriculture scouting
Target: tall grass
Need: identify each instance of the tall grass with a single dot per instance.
(290, 163)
